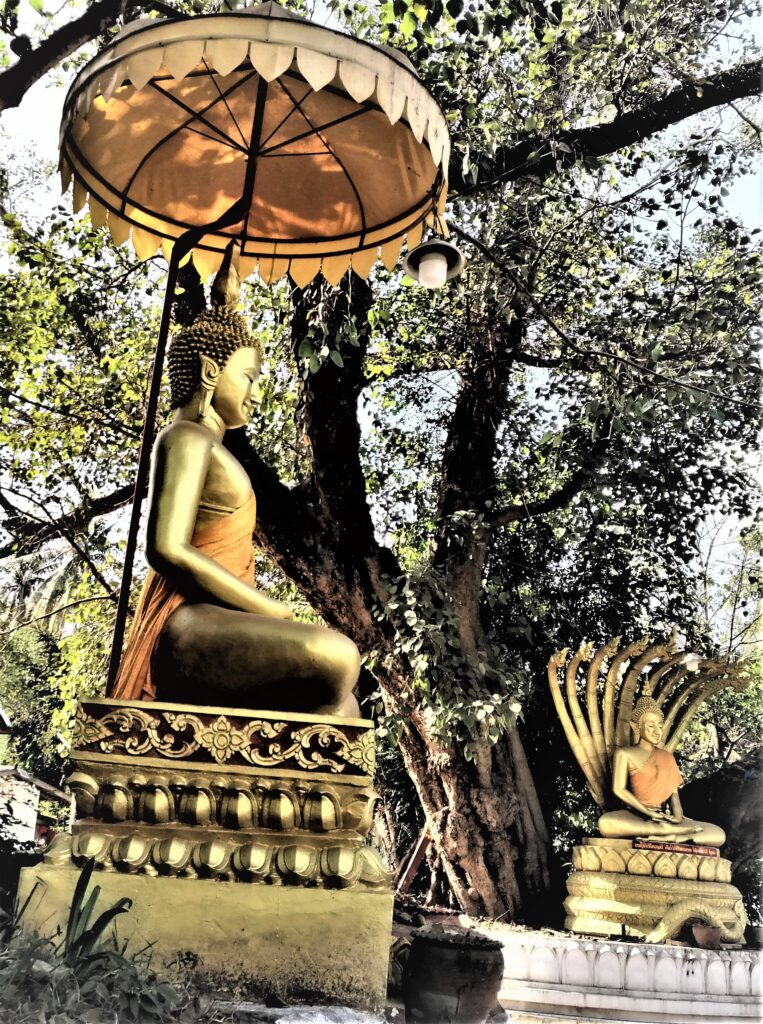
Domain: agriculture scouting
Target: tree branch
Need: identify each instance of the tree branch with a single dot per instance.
(67, 414)
(337, 489)
(56, 611)
(68, 536)
(539, 156)
(530, 359)
(561, 497)
(468, 465)
(30, 533)
(98, 17)
(468, 484)
(587, 353)
(330, 402)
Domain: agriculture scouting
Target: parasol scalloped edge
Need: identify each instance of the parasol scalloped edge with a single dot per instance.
(396, 84)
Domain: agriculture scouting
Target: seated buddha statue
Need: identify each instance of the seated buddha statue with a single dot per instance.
(645, 777)
(203, 633)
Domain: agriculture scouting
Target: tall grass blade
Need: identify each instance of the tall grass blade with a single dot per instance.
(72, 925)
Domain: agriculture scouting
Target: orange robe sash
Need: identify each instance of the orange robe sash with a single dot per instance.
(657, 779)
(229, 542)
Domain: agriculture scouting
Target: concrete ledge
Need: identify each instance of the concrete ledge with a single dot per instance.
(552, 977)
(603, 1004)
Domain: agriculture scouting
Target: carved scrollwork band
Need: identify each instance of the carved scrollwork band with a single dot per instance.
(154, 730)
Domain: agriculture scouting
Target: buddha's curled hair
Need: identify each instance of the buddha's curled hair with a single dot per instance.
(216, 333)
(642, 706)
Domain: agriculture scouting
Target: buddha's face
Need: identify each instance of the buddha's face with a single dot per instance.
(650, 727)
(236, 389)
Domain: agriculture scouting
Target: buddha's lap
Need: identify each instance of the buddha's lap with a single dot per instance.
(240, 649)
(629, 821)
(212, 626)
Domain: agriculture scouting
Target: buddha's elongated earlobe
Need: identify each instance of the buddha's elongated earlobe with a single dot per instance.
(210, 371)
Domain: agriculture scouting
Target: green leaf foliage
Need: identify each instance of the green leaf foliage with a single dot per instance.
(544, 443)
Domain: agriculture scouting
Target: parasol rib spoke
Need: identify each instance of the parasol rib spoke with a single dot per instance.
(214, 138)
(280, 156)
(225, 101)
(313, 130)
(317, 132)
(199, 116)
(295, 108)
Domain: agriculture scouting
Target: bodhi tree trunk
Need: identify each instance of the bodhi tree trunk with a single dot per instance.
(482, 810)
(485, 820)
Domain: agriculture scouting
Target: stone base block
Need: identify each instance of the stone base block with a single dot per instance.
(324, 945)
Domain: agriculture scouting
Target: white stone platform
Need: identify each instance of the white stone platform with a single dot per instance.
(555, 978)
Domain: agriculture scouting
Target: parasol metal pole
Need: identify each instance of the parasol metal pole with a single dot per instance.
(144, 461)
(254, 148)
(237, 212)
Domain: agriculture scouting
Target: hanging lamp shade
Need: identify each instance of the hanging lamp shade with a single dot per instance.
(342, 150)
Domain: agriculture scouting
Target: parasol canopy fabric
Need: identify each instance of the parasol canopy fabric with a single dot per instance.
(340, 149)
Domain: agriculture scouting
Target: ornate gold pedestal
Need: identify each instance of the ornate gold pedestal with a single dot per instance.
(616, 889)
(174, 800)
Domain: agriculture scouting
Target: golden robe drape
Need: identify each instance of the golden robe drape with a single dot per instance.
(229, 542)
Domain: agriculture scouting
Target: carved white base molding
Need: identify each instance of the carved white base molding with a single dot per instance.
(557, 978)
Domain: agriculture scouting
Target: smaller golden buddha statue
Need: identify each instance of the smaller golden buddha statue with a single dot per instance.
(651, 870)
(203, 633)
(645, 777)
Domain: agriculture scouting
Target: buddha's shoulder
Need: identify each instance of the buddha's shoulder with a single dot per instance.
(665, 754)
(630, 753)
(184, 434)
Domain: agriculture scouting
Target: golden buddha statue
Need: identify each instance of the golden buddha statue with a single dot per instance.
(648, 695)
(645, 777)
(203, 634)
(651, 870)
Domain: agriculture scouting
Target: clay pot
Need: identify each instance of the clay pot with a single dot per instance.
(707, 936)
(452, 977)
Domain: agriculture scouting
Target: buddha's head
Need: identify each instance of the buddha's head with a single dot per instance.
(216, 362)
(647, 720)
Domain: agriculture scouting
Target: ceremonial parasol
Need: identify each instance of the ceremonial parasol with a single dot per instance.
(312, 150)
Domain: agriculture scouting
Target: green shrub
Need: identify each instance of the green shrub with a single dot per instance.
(84, 977)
